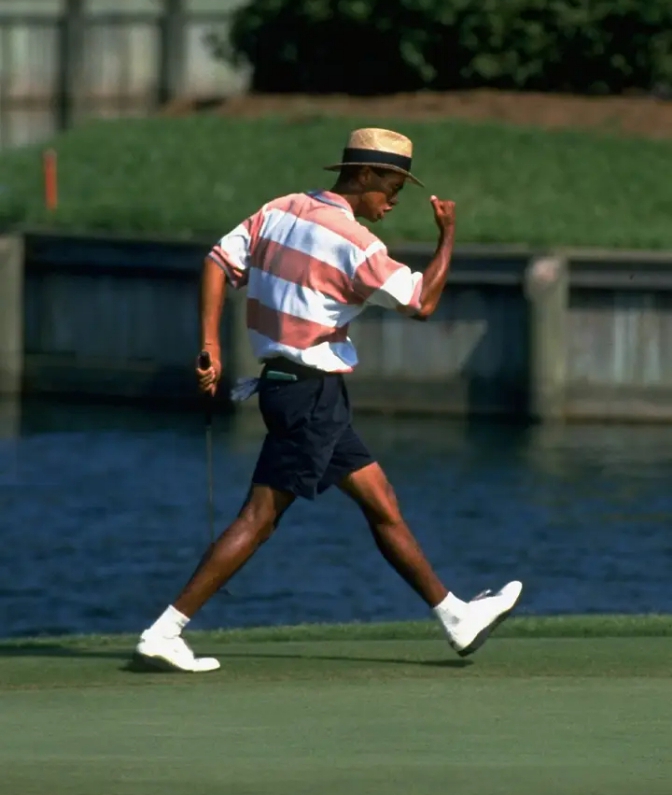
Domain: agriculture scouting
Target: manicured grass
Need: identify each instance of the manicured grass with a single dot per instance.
(563, 626)
(557, 706)
(202, 175)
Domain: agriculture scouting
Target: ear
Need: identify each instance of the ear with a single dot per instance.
(366, 177)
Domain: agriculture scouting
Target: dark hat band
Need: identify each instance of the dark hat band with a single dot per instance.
(373, 157)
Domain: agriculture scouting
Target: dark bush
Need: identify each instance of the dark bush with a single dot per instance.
(384, 46)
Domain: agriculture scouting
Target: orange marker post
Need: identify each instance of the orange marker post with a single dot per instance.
(50, 162)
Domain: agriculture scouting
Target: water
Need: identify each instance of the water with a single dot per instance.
(103, 516)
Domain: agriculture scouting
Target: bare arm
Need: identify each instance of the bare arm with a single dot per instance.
(212, 295)
(436, 274)
(228, 261)
(415, 295)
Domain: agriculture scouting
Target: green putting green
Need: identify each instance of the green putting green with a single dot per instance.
(565, 707)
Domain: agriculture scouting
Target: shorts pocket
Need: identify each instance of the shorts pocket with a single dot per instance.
(288, 405)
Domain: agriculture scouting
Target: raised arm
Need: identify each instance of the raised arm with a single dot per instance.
(436, 273)
(381, 281)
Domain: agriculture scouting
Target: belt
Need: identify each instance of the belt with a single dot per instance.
(280, 369)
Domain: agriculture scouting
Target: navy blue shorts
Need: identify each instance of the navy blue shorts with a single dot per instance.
(310, 444)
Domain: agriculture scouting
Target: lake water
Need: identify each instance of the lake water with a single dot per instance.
(103, 516)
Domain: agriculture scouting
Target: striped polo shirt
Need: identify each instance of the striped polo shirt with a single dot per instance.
(310, 269)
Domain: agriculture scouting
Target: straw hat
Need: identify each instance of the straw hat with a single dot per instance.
(378, 148)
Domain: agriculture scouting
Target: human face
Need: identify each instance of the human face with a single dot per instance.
(380, 193)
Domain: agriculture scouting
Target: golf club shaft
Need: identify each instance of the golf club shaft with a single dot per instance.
(204, 362)
(211, 498)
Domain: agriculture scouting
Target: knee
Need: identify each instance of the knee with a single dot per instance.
(382, 510)
(385, 517)
(261, 513)
(387, 526)
(258, 521)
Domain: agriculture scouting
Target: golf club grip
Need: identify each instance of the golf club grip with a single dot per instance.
(204, 360)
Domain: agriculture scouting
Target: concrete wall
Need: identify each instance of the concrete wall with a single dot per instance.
(470, 357)
(11, 315)
(619, 339)
(571, 334)
(109, 319)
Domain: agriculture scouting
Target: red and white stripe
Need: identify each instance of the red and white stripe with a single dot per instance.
(310, 269)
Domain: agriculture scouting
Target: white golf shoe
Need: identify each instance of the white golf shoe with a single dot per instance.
(172, 654)
(483, 614)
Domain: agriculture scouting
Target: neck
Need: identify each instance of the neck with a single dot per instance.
(349, 193)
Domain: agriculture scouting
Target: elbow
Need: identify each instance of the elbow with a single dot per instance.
(425, 312)
(428, 305)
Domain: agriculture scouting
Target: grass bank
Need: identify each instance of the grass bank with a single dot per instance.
(201, 175)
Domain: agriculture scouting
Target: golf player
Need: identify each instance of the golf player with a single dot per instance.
(310, 269)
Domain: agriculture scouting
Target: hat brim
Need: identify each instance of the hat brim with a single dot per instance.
(397, 169)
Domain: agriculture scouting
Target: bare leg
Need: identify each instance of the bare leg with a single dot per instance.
(162, 645)
(257, 519)
(370, 489)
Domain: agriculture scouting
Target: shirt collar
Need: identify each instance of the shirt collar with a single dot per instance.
(327, 197)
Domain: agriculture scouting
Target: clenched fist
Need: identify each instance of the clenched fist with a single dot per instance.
(444, 213)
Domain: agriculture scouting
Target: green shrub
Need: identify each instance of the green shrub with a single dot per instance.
(383, 46)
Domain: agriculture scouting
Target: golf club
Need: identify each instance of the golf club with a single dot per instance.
(204, 362)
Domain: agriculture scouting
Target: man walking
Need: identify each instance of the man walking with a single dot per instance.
(310, 268)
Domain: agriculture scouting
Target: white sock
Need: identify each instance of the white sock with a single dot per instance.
(170, 623)
(450, 610)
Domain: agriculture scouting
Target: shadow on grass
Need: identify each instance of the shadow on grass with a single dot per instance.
(56, 650)
(137, 666)
(134, 664)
